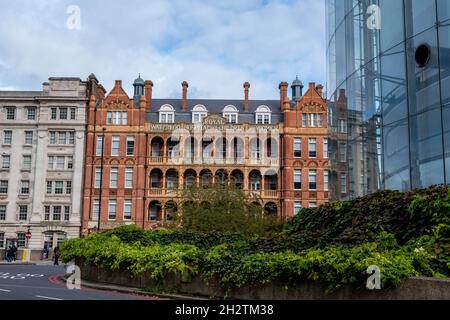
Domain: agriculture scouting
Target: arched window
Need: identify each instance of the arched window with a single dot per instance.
(263, 115)
(166, 114)
(231, 114)
(198, 113)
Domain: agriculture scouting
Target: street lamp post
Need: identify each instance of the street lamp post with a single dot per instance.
(101, 180)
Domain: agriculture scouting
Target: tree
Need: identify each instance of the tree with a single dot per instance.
(225, 208)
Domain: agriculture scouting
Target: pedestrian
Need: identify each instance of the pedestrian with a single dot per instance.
(9, 254)
(56, 254)
(14, 252)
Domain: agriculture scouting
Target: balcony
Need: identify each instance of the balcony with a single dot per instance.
(270, 194)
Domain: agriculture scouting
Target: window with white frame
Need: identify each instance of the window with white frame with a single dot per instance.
(312, 179)
(60, 162)
(231, 114)
(297, 147)
(98, 177)
(130, 146)
(21, 240)
(298, 179)
(115, 145)
(127, 204)
(28, 137)
(63, 113)
(166, 114)
(326, 180)
(129, 178)
(312, 146)
(99, 148)
(117, 118)
(67, 213)
(7, 137)
(53, 113)
(2, 240)
(23, 213)
(26, 162)
(57, 213)
(312, 120)
(325, 148)
(319, 120)
(73, 113)
(96, 210)
(263, 115)
(113, 178)
(313, 204)
(10, 113)
(59, 187)
(25, 187)
(31, 113)
(6, 161)
(199, 112)
(3, 187)
(112, 209)
(62, 137)
(297, 207)
(2, 212)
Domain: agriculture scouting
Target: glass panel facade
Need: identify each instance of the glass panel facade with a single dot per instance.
(443, 8)
(391, 85)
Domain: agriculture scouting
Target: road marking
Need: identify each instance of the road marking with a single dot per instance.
(4, 290)
(49, 298)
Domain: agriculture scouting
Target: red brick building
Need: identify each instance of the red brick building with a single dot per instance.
(142, 151)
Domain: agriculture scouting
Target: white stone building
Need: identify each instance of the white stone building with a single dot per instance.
(42, 142)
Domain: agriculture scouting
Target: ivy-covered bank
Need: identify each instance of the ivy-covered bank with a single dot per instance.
(404, 234)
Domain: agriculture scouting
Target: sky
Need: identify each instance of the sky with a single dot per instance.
(214, 45)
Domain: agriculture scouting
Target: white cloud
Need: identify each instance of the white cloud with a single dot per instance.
(214, 45)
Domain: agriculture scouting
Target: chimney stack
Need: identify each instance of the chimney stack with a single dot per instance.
(148, 93)
(185, 86)
(246, 89)
(286, 104)
(319, 89)
(283, 93)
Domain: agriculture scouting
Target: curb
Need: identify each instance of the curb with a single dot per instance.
(17, 264)
(117, 288)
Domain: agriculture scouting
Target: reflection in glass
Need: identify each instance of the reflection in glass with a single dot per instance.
(391, 32)
(393, 84)
(426, 149)
(423, 82)
(419, 16)
(443, 9)
(444, 53)
(397, 134)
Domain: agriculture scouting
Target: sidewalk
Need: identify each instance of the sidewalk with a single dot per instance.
(131, 290)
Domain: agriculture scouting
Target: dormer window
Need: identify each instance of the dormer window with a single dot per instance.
(263, 115)
(166, 114)
(230, 113)
(198, 113)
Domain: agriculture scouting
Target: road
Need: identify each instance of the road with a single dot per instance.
(38, 282)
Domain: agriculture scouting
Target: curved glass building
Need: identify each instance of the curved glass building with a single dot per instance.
(389, 94)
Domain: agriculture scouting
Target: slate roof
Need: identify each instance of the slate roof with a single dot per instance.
(215, 107)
